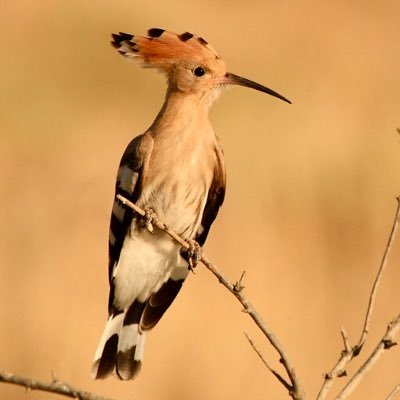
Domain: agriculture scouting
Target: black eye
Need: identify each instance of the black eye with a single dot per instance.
(199, 71)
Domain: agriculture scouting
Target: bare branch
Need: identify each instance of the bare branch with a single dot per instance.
(378, 279)
(393, 393)
(55, 386)
(337, 371)
(296, 391)
(159, 224)
(258, 351)
(349, 353)
(386, 343)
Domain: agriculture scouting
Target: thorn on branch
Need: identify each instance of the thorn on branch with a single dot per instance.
(388, 343)
(357, 350)
(238, 286)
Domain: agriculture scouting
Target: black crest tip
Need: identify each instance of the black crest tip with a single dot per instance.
(203, 41)
(126, 36)
(155, 32)
(116, 38)
(186, 36)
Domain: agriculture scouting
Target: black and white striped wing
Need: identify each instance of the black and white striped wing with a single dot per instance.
(130, 180)
(215, 198)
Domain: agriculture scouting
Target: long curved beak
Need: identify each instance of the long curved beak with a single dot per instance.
(233, 79)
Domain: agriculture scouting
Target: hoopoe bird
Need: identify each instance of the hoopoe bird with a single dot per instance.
(176, 170)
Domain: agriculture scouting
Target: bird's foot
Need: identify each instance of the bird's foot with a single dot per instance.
(147, 221)
(192, 254)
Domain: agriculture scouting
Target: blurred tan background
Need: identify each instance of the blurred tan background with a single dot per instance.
(310, 200)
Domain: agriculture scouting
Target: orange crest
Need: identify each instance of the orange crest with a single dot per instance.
(163, 49)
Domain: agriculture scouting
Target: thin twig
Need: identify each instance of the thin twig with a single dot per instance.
(258, 351)
(56, 386)
(339, 369)
(375, 286)
(386, 343)
(345, 338)
(393, 393)
(296, 391)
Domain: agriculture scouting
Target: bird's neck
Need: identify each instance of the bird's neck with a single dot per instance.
(182, 114)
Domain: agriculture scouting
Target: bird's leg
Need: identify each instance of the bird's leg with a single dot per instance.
(192, 254)
(148, 219)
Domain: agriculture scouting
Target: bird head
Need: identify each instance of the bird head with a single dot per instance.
(190, 63)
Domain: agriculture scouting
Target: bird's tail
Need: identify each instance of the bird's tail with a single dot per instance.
(121, 347)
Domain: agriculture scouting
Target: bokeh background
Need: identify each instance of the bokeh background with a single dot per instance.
(310, 200)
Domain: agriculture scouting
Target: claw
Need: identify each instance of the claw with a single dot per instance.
(193, 254)
(148, 219)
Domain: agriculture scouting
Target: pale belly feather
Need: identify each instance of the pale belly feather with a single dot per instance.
(145, 263)
(147, 260)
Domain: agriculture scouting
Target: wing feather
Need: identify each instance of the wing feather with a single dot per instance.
(215, 198)
(131, 176)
